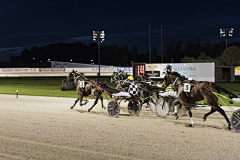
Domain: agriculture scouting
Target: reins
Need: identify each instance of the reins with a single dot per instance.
(217, 95)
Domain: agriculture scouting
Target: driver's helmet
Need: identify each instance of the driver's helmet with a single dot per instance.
(130, 78)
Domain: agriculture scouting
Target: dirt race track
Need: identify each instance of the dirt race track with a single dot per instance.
(46, 128)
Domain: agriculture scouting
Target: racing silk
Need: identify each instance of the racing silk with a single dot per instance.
(131, 88)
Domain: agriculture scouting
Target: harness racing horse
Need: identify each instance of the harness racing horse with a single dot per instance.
(118, 76)
(144, 78)
(88, 88)
(198, 91)
(146, 90)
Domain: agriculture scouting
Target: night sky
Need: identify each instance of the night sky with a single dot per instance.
(28, 23)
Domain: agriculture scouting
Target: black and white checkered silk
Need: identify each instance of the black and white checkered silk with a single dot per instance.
(133, 89)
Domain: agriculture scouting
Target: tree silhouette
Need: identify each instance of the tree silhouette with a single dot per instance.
(135, 54)
(154, 56)
(125, 56)
(230, 56)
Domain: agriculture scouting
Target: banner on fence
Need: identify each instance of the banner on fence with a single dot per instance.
(237, 71)
(196, 71)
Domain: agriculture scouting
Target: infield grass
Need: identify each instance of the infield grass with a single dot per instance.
(35, 87)
(52, 88)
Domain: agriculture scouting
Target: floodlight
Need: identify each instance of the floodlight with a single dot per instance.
(226, 33)
(99, 36)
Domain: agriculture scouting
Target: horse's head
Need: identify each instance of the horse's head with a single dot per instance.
(166, 81)
(114, 77)
(80, 76)
(171, 78)
(139, 78)
(73, 74)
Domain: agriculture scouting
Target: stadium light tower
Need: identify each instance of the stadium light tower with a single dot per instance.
(226, 33)
(99, 36)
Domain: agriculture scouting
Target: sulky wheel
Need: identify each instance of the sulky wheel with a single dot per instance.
(173, 104)
(152, 107)
(170, 104)
(235, 120)
(162, 108)
(134, 108)
(113, 111)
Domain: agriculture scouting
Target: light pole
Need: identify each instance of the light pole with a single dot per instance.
(149, 43)
(98, 36)
(226, 33)
(161, 46)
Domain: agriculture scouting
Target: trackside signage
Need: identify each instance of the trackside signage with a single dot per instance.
(196, 71)
(237, 70)
(18, 70)
(51, 69)
(93, 69)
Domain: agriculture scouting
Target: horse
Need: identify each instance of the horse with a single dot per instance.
(118, 76)
(144, 78)
(88, 87)
(198, 91)
(146, 90)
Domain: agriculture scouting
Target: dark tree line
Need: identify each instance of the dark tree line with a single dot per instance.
(119, 56)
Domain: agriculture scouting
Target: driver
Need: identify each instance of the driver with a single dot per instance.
(129, 88)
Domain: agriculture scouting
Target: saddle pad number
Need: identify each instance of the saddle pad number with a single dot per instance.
(81, 84)
(187, 87)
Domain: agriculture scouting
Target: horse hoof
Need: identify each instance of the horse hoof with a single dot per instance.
(71, 107)
(89, 110)
(204, 119)
(176, 115)
(190, 125)
(229, 128)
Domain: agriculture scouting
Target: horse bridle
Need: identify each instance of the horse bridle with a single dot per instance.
(174, 83)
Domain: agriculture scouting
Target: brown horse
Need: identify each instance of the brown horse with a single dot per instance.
(198, 91)
(88, 88)
(85, 90)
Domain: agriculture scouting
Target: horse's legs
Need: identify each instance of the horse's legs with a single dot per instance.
(81, 104)
(175, 105)
(207, 114)
(80, 97)
(211, 102)
(95, 102)
(190, 115)
(175, 111)
(101, 98)
(147, 100)
(220, 110)
(75, 103)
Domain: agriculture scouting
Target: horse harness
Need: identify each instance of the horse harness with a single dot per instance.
(191, 82)
(181, 84)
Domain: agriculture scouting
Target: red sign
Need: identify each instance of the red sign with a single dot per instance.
(141, 69)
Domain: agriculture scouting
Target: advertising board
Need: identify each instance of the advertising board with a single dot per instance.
(196, 71)
(237, 71)
(18, 70)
